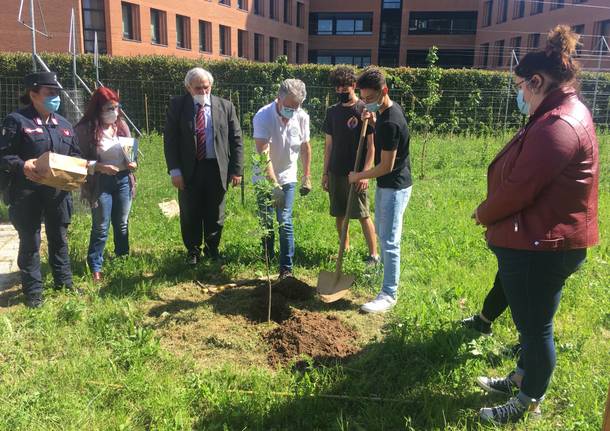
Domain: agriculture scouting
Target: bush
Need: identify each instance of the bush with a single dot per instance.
(472, 101)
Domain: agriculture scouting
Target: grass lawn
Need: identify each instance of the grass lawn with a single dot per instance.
(154, 348)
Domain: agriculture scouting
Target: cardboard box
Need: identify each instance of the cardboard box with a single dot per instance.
(62, 172)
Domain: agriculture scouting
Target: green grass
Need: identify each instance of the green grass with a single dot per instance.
(97, 363)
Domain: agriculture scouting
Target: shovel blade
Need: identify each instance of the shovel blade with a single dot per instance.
(332, 288)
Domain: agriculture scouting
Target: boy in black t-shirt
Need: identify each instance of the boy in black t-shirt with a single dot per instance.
(342, 126)
(393, 172)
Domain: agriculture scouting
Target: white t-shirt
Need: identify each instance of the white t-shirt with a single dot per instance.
(110, 151)
(284, 140)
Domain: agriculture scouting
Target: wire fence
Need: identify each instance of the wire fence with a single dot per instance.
(482, 111)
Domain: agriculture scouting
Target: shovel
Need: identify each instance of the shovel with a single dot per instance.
(333, 286)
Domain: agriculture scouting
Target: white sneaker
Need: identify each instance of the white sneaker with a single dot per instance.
(381, 304)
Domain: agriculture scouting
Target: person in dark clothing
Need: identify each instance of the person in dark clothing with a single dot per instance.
(204, 153)
(26, 135)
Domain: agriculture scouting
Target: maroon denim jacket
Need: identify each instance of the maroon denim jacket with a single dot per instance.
(542, 188)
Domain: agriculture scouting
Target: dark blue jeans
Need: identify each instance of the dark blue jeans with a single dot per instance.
(284, 219)
(532, 282)
(113, 205)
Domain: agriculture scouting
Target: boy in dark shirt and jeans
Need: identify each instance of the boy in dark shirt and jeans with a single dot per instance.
(393, 172)
(342, 127)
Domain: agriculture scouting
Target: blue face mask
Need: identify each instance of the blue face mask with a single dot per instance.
(287, 113)
(374, 106)
(51, 103)
(524, 107)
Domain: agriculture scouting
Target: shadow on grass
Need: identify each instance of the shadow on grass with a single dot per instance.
(410, 375)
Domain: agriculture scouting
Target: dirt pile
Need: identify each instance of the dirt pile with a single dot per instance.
(285, 293)
(318, 336)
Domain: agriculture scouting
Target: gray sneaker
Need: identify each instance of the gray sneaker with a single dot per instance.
(513, 411)
(502, 386)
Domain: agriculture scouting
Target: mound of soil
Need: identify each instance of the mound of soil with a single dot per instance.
(283, 294)
(318, 336)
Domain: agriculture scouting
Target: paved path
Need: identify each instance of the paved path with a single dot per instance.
(9, 245)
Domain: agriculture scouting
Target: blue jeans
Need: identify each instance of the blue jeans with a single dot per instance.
(390, 206)
(113, 205)
(284, 219)
(532, 282)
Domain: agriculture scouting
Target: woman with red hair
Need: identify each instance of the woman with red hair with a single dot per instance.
(110, 185)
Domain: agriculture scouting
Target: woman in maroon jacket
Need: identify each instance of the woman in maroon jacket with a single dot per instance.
(110, 186)
(540, 214)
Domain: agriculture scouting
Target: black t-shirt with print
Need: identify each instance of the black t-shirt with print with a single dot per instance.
(392, 133)
(344, 124)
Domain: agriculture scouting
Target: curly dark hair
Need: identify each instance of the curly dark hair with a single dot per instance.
(371, 78)
(343, 76)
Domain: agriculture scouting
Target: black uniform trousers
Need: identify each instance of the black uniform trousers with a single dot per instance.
(26, 212)
(202, 209)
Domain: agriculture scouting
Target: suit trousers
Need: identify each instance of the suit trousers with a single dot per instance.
(202, 209)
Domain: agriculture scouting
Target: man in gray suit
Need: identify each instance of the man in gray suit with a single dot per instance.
(204, 152)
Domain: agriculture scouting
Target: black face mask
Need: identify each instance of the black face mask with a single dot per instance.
(344, 97)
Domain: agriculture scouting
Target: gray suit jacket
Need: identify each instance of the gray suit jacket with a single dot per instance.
(180, 141)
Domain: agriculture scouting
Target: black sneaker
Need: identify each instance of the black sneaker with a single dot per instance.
(371, 260)
(503, 386)
(284, 274)
(33, 301)
(477, 324)
(513, 411)
(193, 258)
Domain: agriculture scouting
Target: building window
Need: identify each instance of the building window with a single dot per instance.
(603, 31)
(499, 53)
(257, 7)
(273, 48)
(242, 4)
(131, 21)
(287, 51)
(225, 2)
(484, 55)
(502, 11)
(356, 58)
(579, 1)
(557, 4)
(341, 24)
(288, 12)
(488, 8)
(242, 43)
(300, 53)
(158, 27)
(446, 57)
(519, 10)
(300, 15)
(579, 29)
(391, 4)
(205, 36)
(537, 7)
(533, 41)
(183, 32)
(94, 21)
(273, 6)
(442, 22)
(258, 47)
(224, 37)
(515, 44)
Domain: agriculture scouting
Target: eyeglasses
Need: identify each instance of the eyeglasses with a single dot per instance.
(517, 86)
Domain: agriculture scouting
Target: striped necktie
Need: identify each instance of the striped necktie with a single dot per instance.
(200, 127)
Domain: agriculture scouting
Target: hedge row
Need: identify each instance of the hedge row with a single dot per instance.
(473, 101)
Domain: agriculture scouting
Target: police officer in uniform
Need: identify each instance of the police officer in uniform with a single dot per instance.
(25, 135)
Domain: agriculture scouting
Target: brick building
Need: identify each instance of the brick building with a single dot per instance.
(392, 32)
(521, 25)
(259, 30)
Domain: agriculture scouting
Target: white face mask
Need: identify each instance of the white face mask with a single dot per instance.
(110, 117)
(202, 99)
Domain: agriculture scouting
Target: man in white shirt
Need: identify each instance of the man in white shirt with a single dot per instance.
(281, 134)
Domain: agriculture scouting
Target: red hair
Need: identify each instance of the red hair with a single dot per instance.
(99, 98)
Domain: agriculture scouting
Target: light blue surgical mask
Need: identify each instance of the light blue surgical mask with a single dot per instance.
(374, 106)
(524, 107)
(51, 103)
(287, 113)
